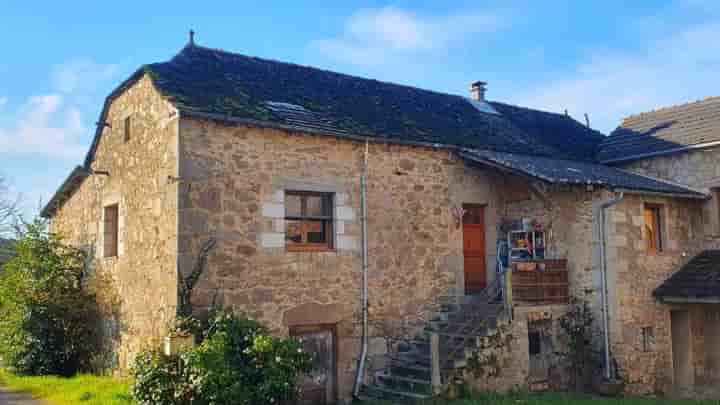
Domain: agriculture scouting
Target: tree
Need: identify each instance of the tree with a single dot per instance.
(9, 209)
(48, 321)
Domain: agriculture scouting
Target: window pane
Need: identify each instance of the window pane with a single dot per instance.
(316, 206)
(293, 205)
(316, 231)
(293, 233)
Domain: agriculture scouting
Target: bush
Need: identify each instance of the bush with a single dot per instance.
(47, 319)
(238, 362)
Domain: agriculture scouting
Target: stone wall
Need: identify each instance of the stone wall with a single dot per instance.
(633, 274)
(699, 169)
(504, 364)
(568, 217)
(138, 288)
(233, 183)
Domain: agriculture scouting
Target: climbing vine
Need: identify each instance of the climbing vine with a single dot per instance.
(576, 326)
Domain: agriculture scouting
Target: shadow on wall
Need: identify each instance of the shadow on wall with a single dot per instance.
(102, 285)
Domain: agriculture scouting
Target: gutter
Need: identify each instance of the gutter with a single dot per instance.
(690, 300)
(698, 196)
(364, 290)
(609, 372)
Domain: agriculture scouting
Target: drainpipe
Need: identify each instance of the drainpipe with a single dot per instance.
(609, 372)
(364, 292)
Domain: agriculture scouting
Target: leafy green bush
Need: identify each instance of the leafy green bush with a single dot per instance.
(161, 379)
(47, 319)
(238, 362)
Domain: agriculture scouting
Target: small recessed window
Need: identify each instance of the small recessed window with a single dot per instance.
(648, 338)
(534, 343)
(653, 228)
(127, 129)
(309, 221)
(110, 234)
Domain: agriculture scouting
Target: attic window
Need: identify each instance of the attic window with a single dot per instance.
(127, 128)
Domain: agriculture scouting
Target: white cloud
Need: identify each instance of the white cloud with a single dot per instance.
(375, 36)
(609, 85)
(52, 124)
(69, 76)
(45, 125)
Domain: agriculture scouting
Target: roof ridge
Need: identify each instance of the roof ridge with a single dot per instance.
(561, 115)
(668, 108)
(237, 54)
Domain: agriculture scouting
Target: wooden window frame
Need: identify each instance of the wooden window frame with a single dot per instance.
(111, 216)
(327, 220)
(654, 243)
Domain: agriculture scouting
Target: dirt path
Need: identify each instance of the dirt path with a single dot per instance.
(14, 398)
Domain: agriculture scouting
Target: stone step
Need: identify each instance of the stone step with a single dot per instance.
(381, 392)
(403, 379)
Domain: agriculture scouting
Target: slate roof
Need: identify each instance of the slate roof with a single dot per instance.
(699, 279)
(209, 83)
(204, 81)
(664, 131)
(573, 172)
(556, 130)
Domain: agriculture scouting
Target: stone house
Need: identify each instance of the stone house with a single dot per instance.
(276, 162)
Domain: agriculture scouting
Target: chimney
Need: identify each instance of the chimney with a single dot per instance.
(477, 91)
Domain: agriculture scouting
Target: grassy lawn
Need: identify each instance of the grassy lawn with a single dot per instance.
(83, 389)
(561, 399)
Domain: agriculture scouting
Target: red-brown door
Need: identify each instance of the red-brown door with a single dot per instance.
(474, 248)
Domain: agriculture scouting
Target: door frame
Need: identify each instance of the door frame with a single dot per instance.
(484, 230)
(296, 331)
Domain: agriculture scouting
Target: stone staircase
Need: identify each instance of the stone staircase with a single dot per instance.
(459, 329)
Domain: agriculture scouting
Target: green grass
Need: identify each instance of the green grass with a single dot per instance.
(561, 399)
(82, 389)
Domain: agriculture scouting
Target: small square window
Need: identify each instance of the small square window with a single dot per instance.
(308, 221)
(127, 128)
(648, 338)
(110, 228)
(653, 228)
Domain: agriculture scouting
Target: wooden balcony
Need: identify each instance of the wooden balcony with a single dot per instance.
(539, 282)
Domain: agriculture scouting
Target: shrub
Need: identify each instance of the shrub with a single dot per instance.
(238, 362)
(47, 319)
(161, 379)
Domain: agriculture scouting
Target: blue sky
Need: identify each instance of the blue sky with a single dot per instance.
(605, 58)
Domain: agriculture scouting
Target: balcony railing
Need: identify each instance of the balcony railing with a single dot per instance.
(539, 282)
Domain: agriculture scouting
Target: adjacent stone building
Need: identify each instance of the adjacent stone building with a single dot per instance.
(266, 158)
(668, 295)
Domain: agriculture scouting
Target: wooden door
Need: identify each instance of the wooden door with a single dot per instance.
(318, 386)
(474, 248)
(681, 352)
